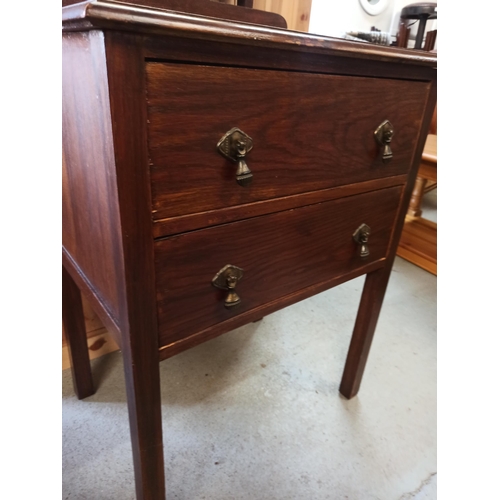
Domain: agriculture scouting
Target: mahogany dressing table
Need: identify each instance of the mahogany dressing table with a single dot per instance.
(215, 172)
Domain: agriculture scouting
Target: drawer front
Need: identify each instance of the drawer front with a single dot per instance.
(279, 253)
(309, 132)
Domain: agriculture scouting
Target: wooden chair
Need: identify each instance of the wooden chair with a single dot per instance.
(418, 13)
(418, 242)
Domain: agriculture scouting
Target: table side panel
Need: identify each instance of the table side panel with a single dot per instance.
(90, 215)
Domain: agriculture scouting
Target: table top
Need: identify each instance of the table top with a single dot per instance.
(117, 15)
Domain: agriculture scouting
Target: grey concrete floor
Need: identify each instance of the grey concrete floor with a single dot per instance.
(256, 413)
(429, 205)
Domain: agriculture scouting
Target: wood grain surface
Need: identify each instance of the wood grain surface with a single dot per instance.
(279, 253)
(418, 243)
(309, 132)
(296, 12)
(104, 14)
(212, 9)
(145, 102)
(430, 149)
(93, 325)
(138, 321)
(90, 214)
(376, 282)
(165, 227)
(258, 313)
(99, 340)
(74, 324)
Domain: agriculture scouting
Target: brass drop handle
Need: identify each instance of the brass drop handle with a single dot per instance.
(361, 238)
(234, 146)
(383, 136)
(227, 279)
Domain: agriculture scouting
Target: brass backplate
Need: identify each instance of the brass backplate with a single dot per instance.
(220, 280)
(384, 133)
(383, 136)
(361, 234)
(227, 146)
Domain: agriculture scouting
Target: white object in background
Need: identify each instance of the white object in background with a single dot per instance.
(334, 18)
(377, 37)
(374, 7)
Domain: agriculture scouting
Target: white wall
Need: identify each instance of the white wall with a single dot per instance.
(335, 17)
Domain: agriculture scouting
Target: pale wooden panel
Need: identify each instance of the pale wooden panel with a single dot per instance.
(296, 12)
(99, 341)
(93, 325)
(430, 149)
(100, 344)
(418, 243)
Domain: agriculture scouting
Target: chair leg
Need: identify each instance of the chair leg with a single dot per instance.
(76, 336)
(414, 209)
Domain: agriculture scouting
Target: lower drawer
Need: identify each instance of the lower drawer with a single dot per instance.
(279, 254)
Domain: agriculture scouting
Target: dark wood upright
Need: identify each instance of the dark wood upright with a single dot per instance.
(153, 212)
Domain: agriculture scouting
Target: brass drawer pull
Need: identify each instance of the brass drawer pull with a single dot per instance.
(234, 146)
(361, 237)
(383, 136)
(227, 279)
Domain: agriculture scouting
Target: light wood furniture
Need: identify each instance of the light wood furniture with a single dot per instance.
(418, 242)
(99, 340)
(427, 171)
(296, 12)
(215, 172)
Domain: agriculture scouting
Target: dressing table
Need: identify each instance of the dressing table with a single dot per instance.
(215, 172)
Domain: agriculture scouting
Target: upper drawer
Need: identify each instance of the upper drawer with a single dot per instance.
(309, 132)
